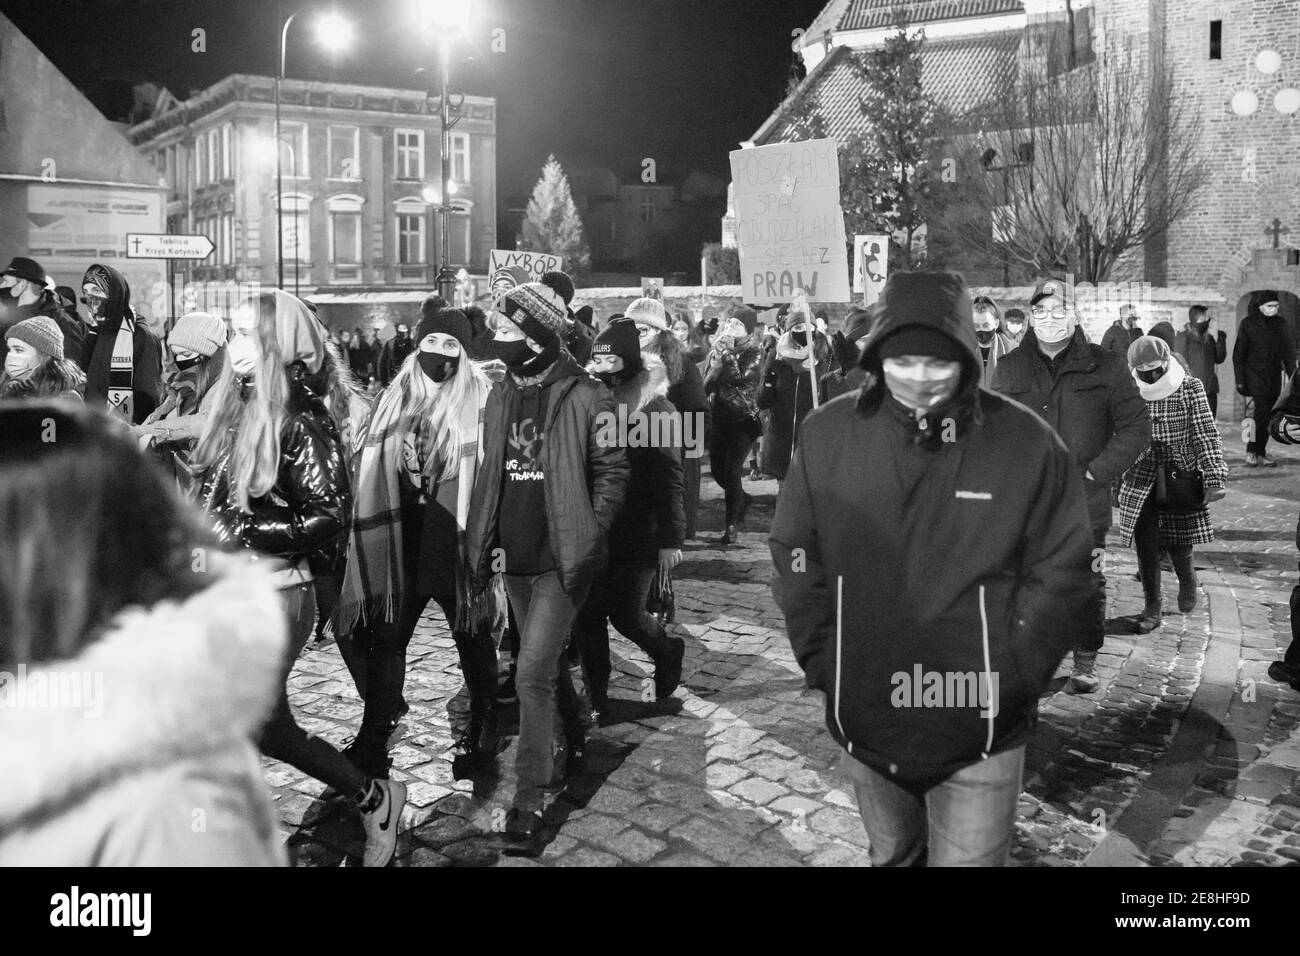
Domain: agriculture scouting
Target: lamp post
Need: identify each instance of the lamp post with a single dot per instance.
(449, 19)
(1024, 158)
(333, 32)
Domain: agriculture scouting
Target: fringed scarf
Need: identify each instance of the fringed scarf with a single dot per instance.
(375, 574)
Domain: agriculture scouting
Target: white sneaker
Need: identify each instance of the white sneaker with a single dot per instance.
(381, 824)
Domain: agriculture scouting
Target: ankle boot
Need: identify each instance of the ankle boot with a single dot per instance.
(1150, 618)
(1186, 571)
(1083, 677)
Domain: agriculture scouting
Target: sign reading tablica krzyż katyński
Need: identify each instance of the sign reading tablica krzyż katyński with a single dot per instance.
(789, 225)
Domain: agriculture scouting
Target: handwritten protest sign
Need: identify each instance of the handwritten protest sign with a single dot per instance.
(507, 268)
(870, 266)
(789, 225)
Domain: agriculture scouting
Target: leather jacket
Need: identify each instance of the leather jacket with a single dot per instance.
(306, 513)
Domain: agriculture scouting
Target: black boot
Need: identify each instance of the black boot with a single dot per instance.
(1151, 615)
(1186, 571)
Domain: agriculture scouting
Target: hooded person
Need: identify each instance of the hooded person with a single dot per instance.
(786, 393)
(122, 358)
(394, 353)
(934, 597)
(656, 337)
(26, 292)
(34, 366)
(731, 377)
(1088, 397)
(646, 536)
(420, 456)
(274, 481)
(546, 495)
(577, 335)
(184, 660)
(992, 347)
(1183, 438)
(197, 343)
(1262, 357)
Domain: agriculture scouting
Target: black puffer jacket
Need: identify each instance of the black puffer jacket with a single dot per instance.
(956, 545)
(586, 478)
(1261, 354)
(306, 514)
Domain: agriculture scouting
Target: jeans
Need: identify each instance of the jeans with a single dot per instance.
(544, 613)
(282, 738)
(1263, 408)
(1096, 633)
(728, 445)
(617, 596)
(383, 644)
(966, 820)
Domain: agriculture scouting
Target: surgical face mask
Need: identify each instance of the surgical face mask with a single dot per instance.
(920, 382)
(1015, 328)
(1151, 376)
(438, 367)
(21, 364)
(1052, 327)
(242, 353)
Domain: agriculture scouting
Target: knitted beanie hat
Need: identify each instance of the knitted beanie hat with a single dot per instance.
(920, 340)
(41, 333)
(537, 309)
(199, 332)
(748, 318)
(649, 312)
(452, 322)
(621, 339)
(561, 283)
(1147, 349)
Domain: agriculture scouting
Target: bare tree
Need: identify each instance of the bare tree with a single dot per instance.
(1075, 171)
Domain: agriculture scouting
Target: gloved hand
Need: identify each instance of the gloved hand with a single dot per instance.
(1241, 389)
(1215, 494)
(709, 326)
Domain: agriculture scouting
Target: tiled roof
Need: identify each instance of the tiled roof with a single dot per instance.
(960, 74)
(878, 14)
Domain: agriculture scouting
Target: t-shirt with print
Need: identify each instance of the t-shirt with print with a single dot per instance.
(523, 531)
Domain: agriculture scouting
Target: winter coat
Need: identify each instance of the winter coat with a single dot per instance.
(48, 305)
(1182, 433)
(55, 378)
(306, 513)
(184, 410)
(686, 392)
(1262, 354)
(391, 357)
(186, 687)
(997, 349)
(1201, 355)
(787, 396)
(898, 553)
(1118, 338)
(586, 479)
(97, 352)
(653, 516)
(730, 375)
(1164, 331)
(1092, 404)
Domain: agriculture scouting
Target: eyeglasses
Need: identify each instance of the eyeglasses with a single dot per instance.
(1041, 313)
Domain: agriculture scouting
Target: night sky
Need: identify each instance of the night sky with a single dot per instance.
(597, 82)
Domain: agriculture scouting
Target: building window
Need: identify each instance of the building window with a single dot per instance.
(410, 154)
(460, 157)
(345, 229)
(611, 229)
(226, 248)
(344, 152)
(296, 240)
(200, 171)
(293, 143)
(214, 172)
(410, 238)
(648, 209)
(1216, 39)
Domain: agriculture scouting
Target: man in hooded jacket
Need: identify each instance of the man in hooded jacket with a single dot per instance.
(122, 359)
(931, 547)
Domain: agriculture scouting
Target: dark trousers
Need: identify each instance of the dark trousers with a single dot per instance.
(1213, 398)
(618, 597)
(728, 446)
(1263, 408)
(282, 738)
(1095, 635)
(383, 644)
(1292, 657)
(1146, 542)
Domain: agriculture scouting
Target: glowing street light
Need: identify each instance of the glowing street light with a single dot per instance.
(333, 32)
(445, 17)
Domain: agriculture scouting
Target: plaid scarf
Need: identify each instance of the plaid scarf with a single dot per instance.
(375, 574)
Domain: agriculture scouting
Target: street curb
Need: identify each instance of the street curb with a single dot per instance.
(1145, 819)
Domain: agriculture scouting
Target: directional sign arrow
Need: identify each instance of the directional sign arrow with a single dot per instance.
(140, 245)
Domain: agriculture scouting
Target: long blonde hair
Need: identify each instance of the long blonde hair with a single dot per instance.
(248, 429)
(432, 409)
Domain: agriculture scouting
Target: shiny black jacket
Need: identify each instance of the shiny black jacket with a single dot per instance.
(306, 514)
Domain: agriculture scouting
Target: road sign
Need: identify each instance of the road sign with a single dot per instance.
(141, 245)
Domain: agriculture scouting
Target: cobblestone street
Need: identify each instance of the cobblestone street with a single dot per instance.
(1187, 754)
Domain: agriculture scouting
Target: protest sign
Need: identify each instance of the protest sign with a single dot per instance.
(870, 266)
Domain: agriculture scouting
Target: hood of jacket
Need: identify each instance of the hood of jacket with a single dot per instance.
(114, 283)
(176, 681)
(646, 385)
(937, 300)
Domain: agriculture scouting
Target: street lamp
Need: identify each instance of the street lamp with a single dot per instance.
(988, 159)
(447, 20)
(1286, 100)
(334, 33)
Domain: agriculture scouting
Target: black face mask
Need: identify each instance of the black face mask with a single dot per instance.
(439, 368)
(1152, 376)
(7, 293)
(1200, 327)
(610, 379)
(985, 338)
(800, 339)
(523, 361)
(184, 365)
(513, 354)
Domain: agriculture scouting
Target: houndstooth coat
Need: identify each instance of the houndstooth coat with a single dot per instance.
(1183, 432)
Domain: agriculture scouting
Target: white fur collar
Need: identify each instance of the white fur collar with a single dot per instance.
(648, 383)
(175, 681)
(1165, 385)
